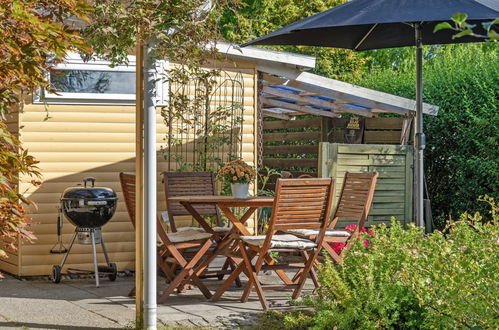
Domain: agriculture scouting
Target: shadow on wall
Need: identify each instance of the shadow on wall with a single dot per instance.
(118, 233)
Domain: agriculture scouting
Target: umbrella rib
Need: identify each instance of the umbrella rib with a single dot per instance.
(365, 36)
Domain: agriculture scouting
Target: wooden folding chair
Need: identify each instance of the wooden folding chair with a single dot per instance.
(170, 255)
(298, 204)
(187, 184)
(354, 203)
(196, 183)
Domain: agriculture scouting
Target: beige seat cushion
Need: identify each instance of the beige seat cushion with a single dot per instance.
(315, 232)
(215, 229)
(285, 241)
(188, 236)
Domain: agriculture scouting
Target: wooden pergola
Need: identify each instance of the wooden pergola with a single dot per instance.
(287, 90)
(307, 93)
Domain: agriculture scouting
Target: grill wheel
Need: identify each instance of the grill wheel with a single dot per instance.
(56, 274)
(114, 269)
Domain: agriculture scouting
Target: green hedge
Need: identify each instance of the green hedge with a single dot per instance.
(462, 141)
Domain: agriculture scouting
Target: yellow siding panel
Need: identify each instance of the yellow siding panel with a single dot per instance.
(78, 141)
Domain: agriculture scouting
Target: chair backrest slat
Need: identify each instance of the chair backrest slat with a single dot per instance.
(128, 189)
(356, 197)
(187, 184)
(301, 204)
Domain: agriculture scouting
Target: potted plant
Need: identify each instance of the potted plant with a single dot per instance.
(239, 175)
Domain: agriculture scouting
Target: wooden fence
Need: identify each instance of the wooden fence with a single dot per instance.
(292, 145)
(370, 131)
(393, 195)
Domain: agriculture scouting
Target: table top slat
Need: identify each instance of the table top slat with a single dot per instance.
(253, 201)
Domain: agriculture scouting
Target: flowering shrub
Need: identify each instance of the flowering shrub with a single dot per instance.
(444, 280)
(338, 246)
(237, 171)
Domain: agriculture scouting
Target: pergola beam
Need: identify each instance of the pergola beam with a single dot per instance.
(277, 115)
(300, 108)
(307, 100)
(347, 93)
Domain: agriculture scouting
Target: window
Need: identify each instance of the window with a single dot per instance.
(79, 82)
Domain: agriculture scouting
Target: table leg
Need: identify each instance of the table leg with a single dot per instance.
(242, 228)
(195, 214)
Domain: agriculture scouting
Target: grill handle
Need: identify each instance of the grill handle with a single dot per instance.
(89, 179)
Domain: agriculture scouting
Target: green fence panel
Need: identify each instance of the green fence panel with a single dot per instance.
(393, 195)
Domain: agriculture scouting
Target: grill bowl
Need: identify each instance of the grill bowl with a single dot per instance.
(89, 207)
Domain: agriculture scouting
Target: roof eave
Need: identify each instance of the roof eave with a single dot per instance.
(299, 61)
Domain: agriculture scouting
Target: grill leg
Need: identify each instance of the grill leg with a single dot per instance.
(105, 251)
(69, 250)
(94, 251)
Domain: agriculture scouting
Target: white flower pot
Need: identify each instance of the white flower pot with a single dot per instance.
(240, 190)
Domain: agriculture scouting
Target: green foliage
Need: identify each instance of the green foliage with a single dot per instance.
(405, 280)
(31, 32)
(254, 18)
(175, 30)
(464, 28)
(367, 292)
(35, 35)
(15, 165)
(461, 153)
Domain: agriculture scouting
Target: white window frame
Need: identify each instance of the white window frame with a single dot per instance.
(74, 62)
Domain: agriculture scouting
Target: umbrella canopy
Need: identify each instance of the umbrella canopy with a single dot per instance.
(376, 24)
(368, 24)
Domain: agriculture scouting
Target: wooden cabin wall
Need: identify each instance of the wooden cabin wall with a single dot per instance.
(96, 140)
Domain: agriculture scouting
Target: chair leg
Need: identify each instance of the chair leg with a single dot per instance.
(312, 272)
(249, 285)
(132, 292)
(309, 263)
(331, 252)
(228, 282)
(253, 278)
(187, 271)
(297, 276)
(233, 266)
(224, 267)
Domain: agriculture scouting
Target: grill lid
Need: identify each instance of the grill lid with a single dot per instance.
(89, 193)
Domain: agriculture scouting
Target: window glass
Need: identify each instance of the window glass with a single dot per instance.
(92, 81)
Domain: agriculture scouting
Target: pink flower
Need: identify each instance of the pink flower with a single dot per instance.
(337, 247)
(350, 227)
(366, 243)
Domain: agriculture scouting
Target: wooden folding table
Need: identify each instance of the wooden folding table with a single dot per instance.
(224, 203)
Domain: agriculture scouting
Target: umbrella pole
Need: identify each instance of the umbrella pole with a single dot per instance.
(419, 138)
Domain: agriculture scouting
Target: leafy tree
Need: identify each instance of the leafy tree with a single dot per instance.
(254, 18)
(35, 35)
(179, 30)
(461, 153)
(14, 163)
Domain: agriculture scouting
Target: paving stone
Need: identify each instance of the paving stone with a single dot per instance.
(78, 304)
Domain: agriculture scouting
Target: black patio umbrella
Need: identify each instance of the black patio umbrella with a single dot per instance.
(376, 24)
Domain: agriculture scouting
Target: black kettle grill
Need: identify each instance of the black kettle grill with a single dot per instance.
(88, 208)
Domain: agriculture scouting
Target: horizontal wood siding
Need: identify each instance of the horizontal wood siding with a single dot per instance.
(393, 195)
(89, 140)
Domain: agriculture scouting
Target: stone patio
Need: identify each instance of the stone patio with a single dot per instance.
(78, 304)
